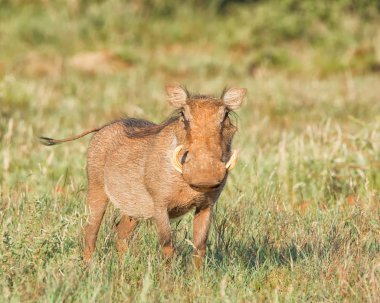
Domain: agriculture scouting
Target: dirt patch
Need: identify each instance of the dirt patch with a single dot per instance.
(40, 65)
(102, 62)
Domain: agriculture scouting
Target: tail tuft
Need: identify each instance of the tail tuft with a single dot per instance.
(48, 141)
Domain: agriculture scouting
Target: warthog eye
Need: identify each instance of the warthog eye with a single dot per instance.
(184, 157)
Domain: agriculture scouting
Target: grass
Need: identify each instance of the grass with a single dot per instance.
(299, 218)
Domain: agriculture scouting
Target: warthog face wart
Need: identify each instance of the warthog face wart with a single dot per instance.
(205, 155)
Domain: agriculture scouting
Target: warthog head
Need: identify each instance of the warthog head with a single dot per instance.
(205, 155)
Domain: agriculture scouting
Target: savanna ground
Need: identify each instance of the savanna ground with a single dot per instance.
(299, 218)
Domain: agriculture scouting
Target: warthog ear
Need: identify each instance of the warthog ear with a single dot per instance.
(233, 97)
(177, 95)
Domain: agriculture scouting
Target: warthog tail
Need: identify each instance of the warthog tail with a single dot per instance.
(50, 141)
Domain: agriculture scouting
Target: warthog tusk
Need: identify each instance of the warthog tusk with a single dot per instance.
(176, 163)
(233, 160)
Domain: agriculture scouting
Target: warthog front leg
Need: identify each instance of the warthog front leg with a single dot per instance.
(161, 219)
(124, 229)
(201, 226)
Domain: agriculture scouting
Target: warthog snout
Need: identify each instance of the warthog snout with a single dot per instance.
(201, 169)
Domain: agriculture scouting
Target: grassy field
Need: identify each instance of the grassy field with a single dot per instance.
(300, 217)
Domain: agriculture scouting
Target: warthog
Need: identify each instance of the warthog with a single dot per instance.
(161, 171)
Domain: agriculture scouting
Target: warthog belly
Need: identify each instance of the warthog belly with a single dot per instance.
(124, 186)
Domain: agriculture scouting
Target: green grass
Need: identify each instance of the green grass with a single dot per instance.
(299, 218)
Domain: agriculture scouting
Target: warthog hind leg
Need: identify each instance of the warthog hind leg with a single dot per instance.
(161, 218)
(97, 204)
(125, 229)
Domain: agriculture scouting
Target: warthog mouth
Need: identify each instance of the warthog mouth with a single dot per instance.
(179, 167)
(205, 189)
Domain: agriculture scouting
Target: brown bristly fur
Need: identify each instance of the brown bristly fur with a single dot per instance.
(129, 163)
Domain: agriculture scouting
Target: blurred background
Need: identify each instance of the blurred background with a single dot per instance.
(69, 65)
(307, 184)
